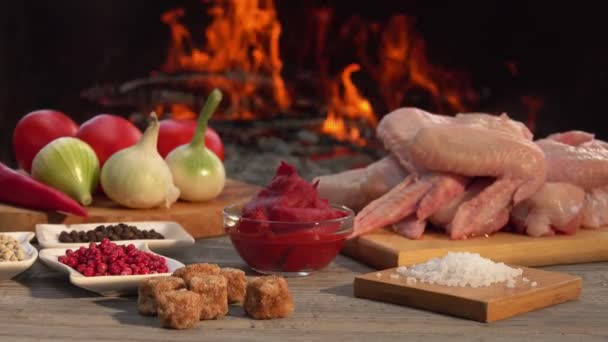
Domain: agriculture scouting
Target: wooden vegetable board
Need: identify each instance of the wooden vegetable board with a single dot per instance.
(484, 304)
(199, 219)
(385, 249)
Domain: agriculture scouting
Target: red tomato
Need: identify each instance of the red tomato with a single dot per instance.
(174, 133)
(108, 134)
(35, 130)
(214, 143)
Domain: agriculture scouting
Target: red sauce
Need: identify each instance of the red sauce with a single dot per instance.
(291, 253)
(291, 241)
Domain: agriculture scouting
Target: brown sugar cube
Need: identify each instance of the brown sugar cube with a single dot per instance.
(194, 270)
(213, 291)
(179, 309)
(268, 297)
(149, 290)
(237, 284)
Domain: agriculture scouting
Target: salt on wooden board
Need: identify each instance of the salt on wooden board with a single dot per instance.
(484, 304)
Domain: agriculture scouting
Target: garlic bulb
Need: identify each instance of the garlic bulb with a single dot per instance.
(138, 177)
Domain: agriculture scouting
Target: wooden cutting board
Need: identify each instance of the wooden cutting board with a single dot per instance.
(484, 304)
(385, 249)
(199, 219)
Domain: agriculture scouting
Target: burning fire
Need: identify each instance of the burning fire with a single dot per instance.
(243, 37)
(349, 104)
(178, 111)
(242, 56)
(404, 66)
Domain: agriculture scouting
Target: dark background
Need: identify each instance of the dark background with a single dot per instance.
(51, 50)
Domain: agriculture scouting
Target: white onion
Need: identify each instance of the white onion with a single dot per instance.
(138, 177)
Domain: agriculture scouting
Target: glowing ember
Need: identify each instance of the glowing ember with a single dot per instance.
(350, 104)
(178, 111)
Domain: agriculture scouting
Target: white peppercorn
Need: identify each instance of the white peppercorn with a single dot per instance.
(10, 249)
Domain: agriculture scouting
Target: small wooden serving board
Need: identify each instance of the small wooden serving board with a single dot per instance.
(199, 219)
(484, 304)
(385, 249)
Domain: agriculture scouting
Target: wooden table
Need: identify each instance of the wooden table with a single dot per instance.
(41, 305)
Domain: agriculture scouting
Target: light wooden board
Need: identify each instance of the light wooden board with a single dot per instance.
(385, 249)
(484, 304)
(199, 219)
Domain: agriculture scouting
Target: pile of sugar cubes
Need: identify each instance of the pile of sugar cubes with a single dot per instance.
(203, 291)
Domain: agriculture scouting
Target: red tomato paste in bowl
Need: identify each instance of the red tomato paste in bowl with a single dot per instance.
(287, 227)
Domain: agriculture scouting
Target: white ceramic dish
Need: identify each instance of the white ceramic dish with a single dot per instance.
(9, 269)
(176, 237)
(104, 285)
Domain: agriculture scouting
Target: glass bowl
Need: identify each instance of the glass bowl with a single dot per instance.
(287, 248)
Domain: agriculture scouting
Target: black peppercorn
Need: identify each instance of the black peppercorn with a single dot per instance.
(116, 232)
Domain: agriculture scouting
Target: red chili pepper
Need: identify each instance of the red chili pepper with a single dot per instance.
(22, 190)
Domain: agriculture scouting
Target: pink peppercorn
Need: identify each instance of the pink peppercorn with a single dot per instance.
(72, 261)
(107, 258)
(101, 267)
(114, 269)
(89, 272)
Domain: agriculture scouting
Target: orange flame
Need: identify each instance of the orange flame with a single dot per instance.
(349, 104)
(403, 65)
(403, 60)
(242, 43)
(243, 36)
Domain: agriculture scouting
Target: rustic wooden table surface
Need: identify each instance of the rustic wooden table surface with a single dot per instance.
(41, 305)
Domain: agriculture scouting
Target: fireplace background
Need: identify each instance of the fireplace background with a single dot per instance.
(51, 51)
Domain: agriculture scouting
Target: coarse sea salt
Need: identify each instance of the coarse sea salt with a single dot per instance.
(462, 269)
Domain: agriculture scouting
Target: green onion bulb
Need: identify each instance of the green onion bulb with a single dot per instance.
(198, 172)
(69, 165)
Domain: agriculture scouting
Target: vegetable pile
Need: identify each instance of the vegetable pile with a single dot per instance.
(64, 164)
